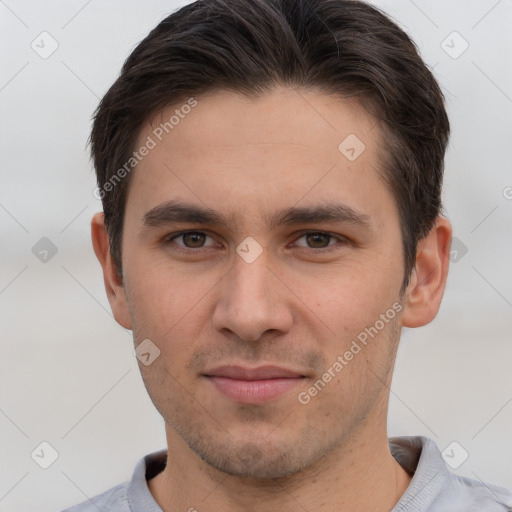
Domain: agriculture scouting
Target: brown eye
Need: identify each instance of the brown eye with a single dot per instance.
(318, 240)
(192, 240)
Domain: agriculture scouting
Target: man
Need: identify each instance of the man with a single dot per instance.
(271, 172)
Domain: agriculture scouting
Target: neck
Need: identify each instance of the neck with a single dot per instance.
(359, 475)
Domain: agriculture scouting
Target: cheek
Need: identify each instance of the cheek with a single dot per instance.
(165, 296)
(349, 297)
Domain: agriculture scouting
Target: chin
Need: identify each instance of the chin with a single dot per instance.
(261, 456)
(254, 461)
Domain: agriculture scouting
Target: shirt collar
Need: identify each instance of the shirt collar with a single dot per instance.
(418, 455)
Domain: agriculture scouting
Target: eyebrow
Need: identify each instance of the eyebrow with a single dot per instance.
(172, 212)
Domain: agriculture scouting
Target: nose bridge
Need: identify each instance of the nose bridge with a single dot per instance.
(248, 285)
(249, 303)
(250, 274)
(254, 273)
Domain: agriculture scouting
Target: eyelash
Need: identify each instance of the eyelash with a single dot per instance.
(170, 239)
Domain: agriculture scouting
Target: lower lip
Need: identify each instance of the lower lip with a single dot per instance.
(254, 391)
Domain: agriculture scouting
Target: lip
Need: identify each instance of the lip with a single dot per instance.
(253, 385)
(259, 373)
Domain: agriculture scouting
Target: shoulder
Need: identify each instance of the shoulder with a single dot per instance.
(130, 496)
(478, 496)
(435, 488)
(113, 500)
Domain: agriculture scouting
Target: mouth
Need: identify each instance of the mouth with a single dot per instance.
(253, 385)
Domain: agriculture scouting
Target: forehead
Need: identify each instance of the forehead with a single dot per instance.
(288, 145)
(281, 116)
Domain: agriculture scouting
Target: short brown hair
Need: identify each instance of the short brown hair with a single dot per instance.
(342, 47)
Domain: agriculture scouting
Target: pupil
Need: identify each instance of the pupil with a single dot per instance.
(318, 240)
(193, 239)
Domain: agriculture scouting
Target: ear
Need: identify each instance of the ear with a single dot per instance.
(113, 281)
(426, 287)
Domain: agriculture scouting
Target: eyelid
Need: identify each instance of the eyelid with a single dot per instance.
(171, 237)
(339, 238)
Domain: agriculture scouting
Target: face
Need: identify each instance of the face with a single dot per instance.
(265, 264)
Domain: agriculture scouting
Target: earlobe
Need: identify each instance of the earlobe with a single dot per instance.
(425, 290)
(113, 281)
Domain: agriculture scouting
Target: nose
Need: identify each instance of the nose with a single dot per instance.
(252, 301)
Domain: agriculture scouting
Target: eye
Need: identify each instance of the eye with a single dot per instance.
(191, 239)
(318, 240)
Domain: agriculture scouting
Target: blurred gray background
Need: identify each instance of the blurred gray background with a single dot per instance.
(68, 376)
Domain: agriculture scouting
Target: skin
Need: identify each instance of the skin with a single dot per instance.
(294, 306)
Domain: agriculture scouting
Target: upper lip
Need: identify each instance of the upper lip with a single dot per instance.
(259, 373)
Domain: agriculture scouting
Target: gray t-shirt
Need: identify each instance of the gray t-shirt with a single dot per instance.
(432, 489)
